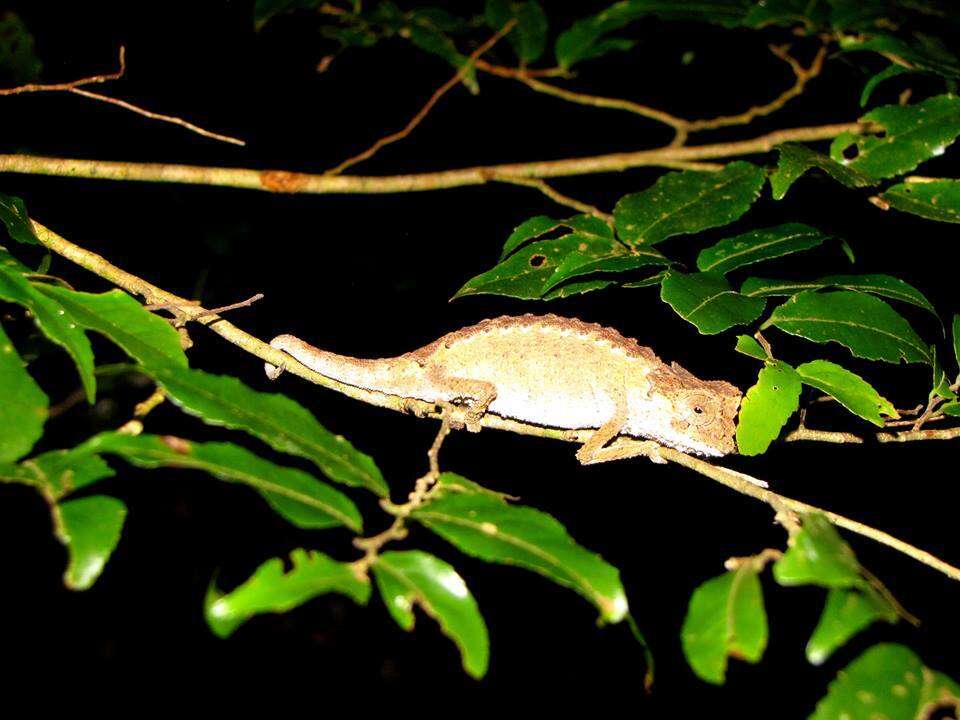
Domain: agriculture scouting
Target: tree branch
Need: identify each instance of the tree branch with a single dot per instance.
(733, 479)
(295, 182)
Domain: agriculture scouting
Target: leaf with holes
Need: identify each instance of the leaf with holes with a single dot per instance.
(686, 202)
(767, 406)
(849, 389)
(845, 613)
(707, 301)
(24, 408)
(890, 681)
(485, 526)
(529, 38)
(758, 245)
(866, 326)
(412, 577)
(90, 529)
(272, 589)
(725, 618)
(797, 160)
(937, 200)
(297, 496)
(911, 134)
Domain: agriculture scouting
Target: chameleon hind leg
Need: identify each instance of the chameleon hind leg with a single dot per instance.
(479, 393)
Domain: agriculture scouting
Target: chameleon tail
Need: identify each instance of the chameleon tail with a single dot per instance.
(358, 372)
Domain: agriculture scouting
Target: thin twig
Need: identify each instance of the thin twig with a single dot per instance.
(735, 480)
(560, 198)
(294, 182)
(829, 436)
(909, 435)
(91, 80)
(428, 106)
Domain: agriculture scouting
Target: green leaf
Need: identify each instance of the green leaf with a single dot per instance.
(12, 265)
(941, 382)
(59, 472)
(53, 321)
(955, 332)
(272, 589)
(485, 526)
(846, 613)
(276, 419)
(413, 578)
(812, 14)
(726, 617)
(891, 71)
(772, 287)
(297, 496)
(875, 284)
(528, 230)
(911, 134)
(90, 529)
(707, 301)
(529, 37)
(13, 213)
(434, 41)
(818, 556)
(145, 337)
(687, 202)
(795, 160)
(758, 245)
(866, 326)
(938, 200)
(849, 389)
(24, 406)
(924, 53)
(749, 346)
(18, 59)
(766, 407)
(890, 681)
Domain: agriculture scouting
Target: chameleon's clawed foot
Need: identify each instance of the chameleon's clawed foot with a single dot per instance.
(273, 371)
(472, 420)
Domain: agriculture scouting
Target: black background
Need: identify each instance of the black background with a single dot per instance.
(371, 276)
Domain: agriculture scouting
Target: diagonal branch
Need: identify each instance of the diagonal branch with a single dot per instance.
(737, 481)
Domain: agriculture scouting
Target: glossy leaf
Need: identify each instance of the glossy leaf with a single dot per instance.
(529, 38)
(725, 618)
(485, 526)
(938, 200)
(707, 301)
(53, 321)
(274, 589)
(297, 496)
(685, 202)
(90, 529)
(750, 347)
(849, 389)
(13, 214)
(146, 337)
(23, 407)
(412, 577)
(868, 327)
(758, 245)
(796, 160)
(766, 407)
(276, 419)
(890, 681)
(845, 613)
(911, 134)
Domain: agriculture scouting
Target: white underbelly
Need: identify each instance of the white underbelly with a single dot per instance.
(564, 411)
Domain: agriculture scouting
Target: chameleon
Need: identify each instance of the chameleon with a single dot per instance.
(550, 371)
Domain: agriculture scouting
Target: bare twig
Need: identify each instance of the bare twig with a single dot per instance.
(91, 80)
(735, 480)
(828, 436)
(562, 199)
(909, 435)
(428, 106)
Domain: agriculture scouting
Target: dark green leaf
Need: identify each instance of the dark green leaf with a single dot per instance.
(485, 526)
(941, 382)
(726, 617)
(921, 52)
(938, 200)
(410, 578)
(13, 214)
(430, 39)
(846, 613)
(955, 332)
(276, 419)
(528, 230)
(90, 529)
(875, 284)
(758, 245)
(750, 347)
(849, 389)
(795, 160)
(766, 407)
(24, 406)
(272, 589)
(145, 337)
(529, 37)
(891, 71)
(264, 10)
(868, 327)
(911, 134)
(707, 301)
(887, 681)
(297, 496)
(18, 60)
(53, 321)
(771, 287)
(687, 202)
(811, 13)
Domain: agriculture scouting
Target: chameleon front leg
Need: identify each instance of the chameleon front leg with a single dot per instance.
(479, 393)
(593, 451)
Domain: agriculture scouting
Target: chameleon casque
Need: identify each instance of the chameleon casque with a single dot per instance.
(549, 371)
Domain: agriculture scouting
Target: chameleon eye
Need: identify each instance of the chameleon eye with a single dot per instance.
(698, 410)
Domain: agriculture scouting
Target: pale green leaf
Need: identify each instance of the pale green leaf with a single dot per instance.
(90, 529)
(849, 389)
(272, 589)
(707, 301)
(937, 200)
(750, 347)
(766, 407)
(845, 613)
(59, 472)
(796, 160)
(818, 556)
(685, 202)
(758, 245)
(409, 578)
(23, 405)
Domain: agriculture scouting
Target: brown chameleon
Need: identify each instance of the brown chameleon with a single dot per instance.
(549, 371)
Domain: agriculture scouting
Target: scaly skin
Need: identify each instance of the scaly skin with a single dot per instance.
(550, 371)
